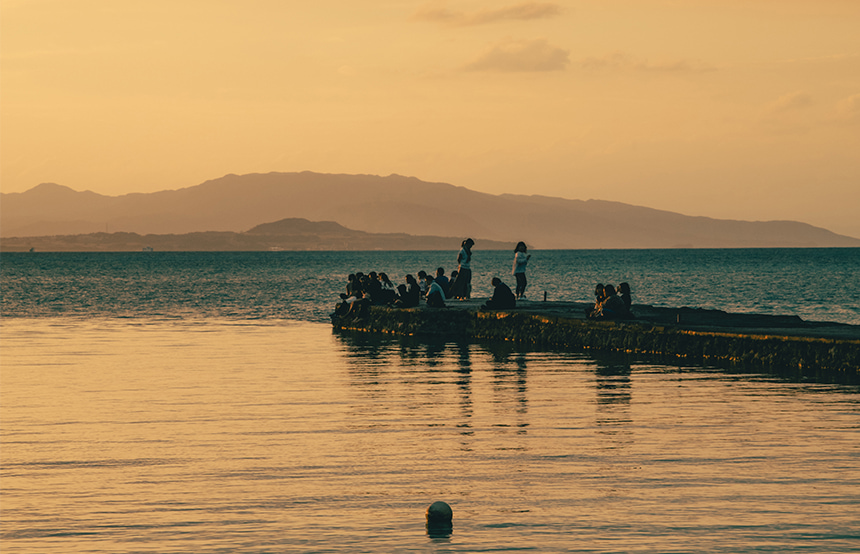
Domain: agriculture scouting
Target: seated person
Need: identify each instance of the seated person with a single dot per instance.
(409, 294)
(598, 300)
(624, 290)
(388, 291)
(612, 306)
(435, 294)
(451, 282)
(373, 288)
(442, 280)
(422, 283)
(503, 298)
(350, 285)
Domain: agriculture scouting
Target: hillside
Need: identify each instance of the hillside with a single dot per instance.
(392, 204)
(287, 234)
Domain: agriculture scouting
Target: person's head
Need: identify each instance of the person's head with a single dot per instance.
(410, 278)
(624, 288)
(598, 290)
(609, 290)
(384, 277)
(496, 281)
(439, 272)
(521, 247)
(351, 277)
(468, 243)
(430, 279)
(422, 274)
(454, 274)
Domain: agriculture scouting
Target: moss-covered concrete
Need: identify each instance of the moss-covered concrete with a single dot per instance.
(787, 347)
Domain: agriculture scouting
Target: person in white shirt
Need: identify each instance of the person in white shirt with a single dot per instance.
(521, 258)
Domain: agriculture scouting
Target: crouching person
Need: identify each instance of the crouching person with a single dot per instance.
(502, 299)
(435, 293)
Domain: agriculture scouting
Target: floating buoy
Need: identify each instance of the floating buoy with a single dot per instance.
(439, 520)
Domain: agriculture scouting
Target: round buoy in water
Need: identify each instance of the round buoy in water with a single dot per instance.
(439, 520)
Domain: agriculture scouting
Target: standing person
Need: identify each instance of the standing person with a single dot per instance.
(521, 258)
(462, 285)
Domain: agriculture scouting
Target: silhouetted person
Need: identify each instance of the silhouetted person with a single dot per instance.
(389, 291)
(408, 294)
(461, 287)
(612, 306)
(502, 299)
(599, 297)
(373, 289)
(442, 280)
(624, 290)
(422, 282)
(521, 258)
(451, 283)
(435, 294)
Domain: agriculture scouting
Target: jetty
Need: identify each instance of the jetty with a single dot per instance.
(785, 346)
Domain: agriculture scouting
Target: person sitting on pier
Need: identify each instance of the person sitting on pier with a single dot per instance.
(451, 283)
(408, 294)
(349, 286)
(442, 280)
(599, 297)
(612, 306)
(435, 294)
(373, 288)
(422, 283)
(388, 292)
(502, 299)
(624, 290)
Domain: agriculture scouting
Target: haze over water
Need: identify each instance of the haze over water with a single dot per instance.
(200, 403)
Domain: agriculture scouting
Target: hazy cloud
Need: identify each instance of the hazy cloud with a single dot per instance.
(789, 102)
(625, 61)
(849, 108)
(522, 55)
(438, 12)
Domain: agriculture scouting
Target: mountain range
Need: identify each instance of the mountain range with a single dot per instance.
(392, 205)
(287, 234)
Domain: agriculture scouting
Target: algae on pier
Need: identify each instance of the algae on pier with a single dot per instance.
(782, 345)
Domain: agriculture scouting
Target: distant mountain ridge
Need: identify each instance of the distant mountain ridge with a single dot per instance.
(392, 204)
(288, 234)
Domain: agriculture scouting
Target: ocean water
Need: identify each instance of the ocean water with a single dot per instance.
(158, 402)
(819, 284)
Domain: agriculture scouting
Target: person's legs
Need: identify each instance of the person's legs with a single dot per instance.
(521, 284)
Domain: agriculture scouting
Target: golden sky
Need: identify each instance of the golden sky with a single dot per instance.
(742, 109)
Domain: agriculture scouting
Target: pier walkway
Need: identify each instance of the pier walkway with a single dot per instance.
(782, 345)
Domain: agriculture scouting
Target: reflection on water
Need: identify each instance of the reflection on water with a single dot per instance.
(217, 436)
(614, 393)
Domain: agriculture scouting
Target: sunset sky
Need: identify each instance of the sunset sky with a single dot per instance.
(741, 109)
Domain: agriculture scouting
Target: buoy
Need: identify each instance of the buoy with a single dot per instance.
(439, 520)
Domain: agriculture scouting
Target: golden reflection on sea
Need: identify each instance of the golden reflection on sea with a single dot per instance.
(133, 435)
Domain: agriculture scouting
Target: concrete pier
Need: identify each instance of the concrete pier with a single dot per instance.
(786, 346)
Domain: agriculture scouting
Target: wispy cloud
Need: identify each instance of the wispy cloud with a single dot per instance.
(522, 56)
(849, 108)
(625, 61)
(789, 102)
(438, 12)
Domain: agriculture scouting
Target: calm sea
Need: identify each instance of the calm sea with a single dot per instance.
(199, 402)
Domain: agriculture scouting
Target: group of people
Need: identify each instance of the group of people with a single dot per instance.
(610, 303)
(377, 289)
